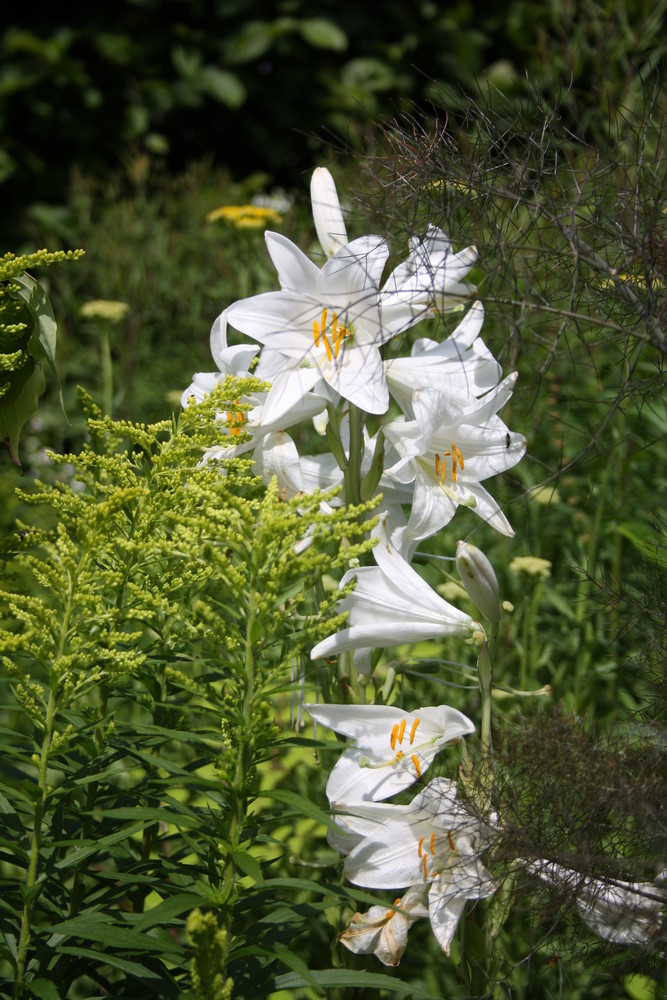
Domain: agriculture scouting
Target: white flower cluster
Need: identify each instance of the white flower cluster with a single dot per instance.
(322, 335)
(431, 846)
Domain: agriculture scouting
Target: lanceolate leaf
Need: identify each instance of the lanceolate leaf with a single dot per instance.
(43, 340)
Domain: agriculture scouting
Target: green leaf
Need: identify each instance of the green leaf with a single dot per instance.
(165, 911)
(645, 541)
(222, 86)
(98, 846)
(13, 418)
(108, 958)
(44, 347)
(293, 962)
(323, 34)
(152, 815)
(44, 989)
(253, 40)
(353, 978)
(248, 865)
(302, 806)
(101, 927)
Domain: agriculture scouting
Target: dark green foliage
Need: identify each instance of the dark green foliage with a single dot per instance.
(256, 82)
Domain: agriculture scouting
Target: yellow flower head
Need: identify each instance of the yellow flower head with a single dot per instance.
(245, 216)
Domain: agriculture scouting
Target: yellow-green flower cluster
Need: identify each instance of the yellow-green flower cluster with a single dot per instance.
(245, 216)
(108, 309)
(531, 566)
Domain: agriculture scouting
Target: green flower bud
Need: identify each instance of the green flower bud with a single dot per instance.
(479, 579)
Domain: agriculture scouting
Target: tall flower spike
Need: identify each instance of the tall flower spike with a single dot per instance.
(392, 605)
(392, 748)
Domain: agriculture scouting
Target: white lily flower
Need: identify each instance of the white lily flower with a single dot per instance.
(392, 605)
(392, 748)
(327, 320)
(450, 447)
(461, 365)
(433, 842)
(269, 411)
(277, 455)
(383, 930)
(430, 278)
(327, 215)
(617, 911)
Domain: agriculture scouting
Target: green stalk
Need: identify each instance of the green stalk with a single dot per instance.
(352, 472)
(76, 895)
(107, 372)
(31, 879)
(485, 675)
(244, 756)
(40, 804)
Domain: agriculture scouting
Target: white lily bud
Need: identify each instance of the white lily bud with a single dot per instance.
(479, 579)
(327, 214)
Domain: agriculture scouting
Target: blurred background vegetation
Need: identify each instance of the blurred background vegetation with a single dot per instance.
(256, 84)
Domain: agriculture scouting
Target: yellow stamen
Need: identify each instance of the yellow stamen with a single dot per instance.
(424, 866)
(451, 841)
(318, 330)
(413, 730)
(399, 754)
(415, 760)
(440, 464)
(336, 334)
(432, 843)
(332, 347)
(237, 419)
(401, 731)
(419, 845)
(394, 737)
